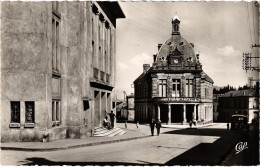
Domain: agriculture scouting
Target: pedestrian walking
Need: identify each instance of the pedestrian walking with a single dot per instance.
(190, 124)
(152, 123)
(137, 125)
(195, 122)
(112, 118)
(126, 124)
(158, 126)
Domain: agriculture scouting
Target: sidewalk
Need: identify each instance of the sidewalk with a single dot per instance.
(71, 143)
(132, 133)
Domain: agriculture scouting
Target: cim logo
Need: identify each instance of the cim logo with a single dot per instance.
(240, 147)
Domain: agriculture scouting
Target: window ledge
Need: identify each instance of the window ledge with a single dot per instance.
(56, 74)
(14, 125)
(55, 123)
(29, 125)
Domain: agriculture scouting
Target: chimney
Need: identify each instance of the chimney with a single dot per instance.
(154, 58)
(159, 46)
(146, 67)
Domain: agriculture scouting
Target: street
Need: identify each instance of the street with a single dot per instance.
(155, 150)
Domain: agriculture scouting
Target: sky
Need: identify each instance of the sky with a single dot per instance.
(220, 31)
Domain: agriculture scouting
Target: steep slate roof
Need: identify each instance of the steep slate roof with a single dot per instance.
(237, 93)
(143, 74)
(207, 78)
(176, 44)
(177, 54)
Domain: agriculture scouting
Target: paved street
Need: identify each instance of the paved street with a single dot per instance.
(248, 156)
(156, 150)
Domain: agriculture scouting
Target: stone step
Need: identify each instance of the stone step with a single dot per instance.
(102, 132)
(115, 133)
(122, 133)
(105, 131)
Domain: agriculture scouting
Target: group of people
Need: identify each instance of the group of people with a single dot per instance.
(106, 123)
(155, 123)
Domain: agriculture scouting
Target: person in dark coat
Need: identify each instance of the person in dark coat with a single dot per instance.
(158, 126)
(112, 118)
(190, 124)
(152, 123)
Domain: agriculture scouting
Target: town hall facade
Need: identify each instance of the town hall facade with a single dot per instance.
(175, 88)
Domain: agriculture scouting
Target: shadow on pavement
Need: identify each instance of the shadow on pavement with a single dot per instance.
(43, 162)
(200, 132)
(208, 153)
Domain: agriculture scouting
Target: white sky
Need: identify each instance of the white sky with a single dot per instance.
(220, 31)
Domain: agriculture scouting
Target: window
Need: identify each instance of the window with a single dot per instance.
(189, 88)
(107, 78)
(15, 112)
(56, 60)
(95, 73)
(106, 65)
(56, 98)
(55, 7)
(206, 109)
(56, 111)
(113, 105)
(102, 76)
(93, 49)
(29, 112)
(176, 87)
(99, 33)
(85, 105)
(55, 42)
(162, 87)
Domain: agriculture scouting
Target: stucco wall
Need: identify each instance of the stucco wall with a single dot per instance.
(26, 68)
(24, 62)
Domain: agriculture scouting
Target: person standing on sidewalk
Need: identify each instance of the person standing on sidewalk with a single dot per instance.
(158, 126)
(190, 124)
(137, 125)
(152, 123)
(112, 118)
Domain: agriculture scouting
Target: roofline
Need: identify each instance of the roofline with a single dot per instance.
(117, 10)
(112, 9)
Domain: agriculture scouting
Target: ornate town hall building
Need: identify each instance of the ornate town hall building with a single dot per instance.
(175, 88)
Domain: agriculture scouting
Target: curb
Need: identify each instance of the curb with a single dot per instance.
(70, 147)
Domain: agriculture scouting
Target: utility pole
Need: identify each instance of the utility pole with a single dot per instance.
(247, 62)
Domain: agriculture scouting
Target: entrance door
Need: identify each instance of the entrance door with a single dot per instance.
(176, 113)
(189, 112)
(164, 113)
(96, 108)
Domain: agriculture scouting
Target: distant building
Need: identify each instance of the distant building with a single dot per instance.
(130, 107)
(175, 88)
(125, 110)
(121, 110)
(238, 102)
(57, 68)
(215, 107)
